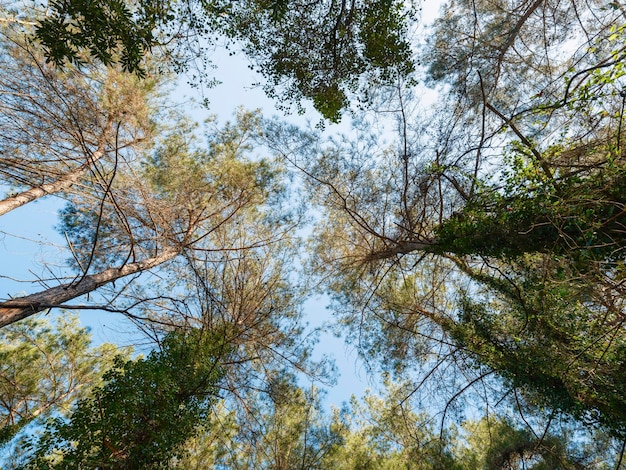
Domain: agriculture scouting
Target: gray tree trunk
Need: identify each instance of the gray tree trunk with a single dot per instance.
(17, 309)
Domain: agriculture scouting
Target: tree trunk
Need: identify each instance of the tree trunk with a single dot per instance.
(63, 183)
(402, 248)
(14, 310)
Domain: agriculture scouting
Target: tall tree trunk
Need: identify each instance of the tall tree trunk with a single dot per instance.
(17, 309)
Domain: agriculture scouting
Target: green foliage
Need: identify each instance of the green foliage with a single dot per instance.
(322, 49)
(182, 173)
(519, 209)
(315, 50)
(560, 350)
(174, 195)
(144, 411)
(281, 428)
(495, 443)
(550, 317)
(385, 432)
(383, 35)
(579, 216)
(109, 30)
(601, 83)
(44, 369)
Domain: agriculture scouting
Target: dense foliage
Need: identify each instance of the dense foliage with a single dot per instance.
(143, 412)
(317, 50)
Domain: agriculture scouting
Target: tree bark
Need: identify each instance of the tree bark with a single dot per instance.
(63, 183)
(17, 309)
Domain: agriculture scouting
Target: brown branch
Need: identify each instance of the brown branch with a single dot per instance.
(509, 122)
(63, 183)
(515, 31)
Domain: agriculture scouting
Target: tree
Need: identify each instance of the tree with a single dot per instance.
(288, 429)
(59, 128)
(569, 299)
(488, 239)
(495, 443)
(45, 369)
(386, 432)
(62, 130)
(143, 412)
(103, 173)
(484, 248)
(282, 427)
(317, 50)
(209, 226)
(390, 432)
(230, 220)
(223, 223)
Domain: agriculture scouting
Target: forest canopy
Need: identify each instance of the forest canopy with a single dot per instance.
(313, 50)
(467, 225)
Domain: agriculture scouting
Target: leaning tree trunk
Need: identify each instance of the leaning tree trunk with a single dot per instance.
(17, 309)
(63, 183)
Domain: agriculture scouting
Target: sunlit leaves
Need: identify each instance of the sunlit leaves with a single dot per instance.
(44, 369)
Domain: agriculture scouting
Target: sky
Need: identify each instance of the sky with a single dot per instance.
(28, 241)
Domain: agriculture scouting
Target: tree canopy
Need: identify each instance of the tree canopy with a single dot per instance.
(316, 50)
(472, 248)
(141, 413)
(488, 237)
(45, 369)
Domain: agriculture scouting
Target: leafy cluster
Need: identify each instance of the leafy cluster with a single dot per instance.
(555, 349)
(579, 215)
(315, 50)
(78, 26)
(323, 48)
(143, 413)
(551, 319)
